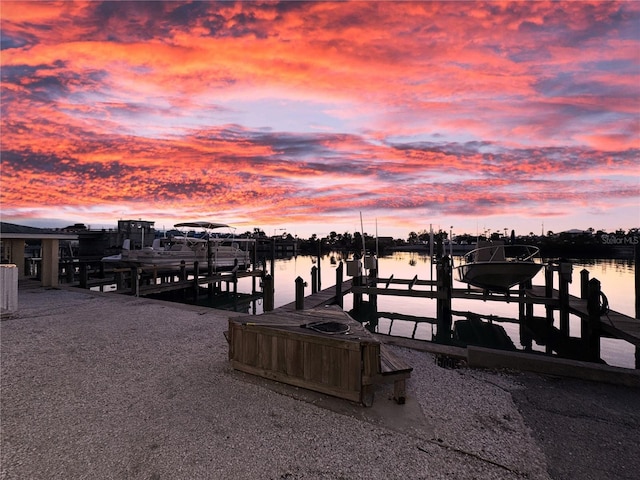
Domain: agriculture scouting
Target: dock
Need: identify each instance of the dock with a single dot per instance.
(597, 320)
(613, 324)
(319, 299)
(566, 356)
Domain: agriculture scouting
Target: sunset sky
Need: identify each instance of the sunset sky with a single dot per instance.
(301, 115)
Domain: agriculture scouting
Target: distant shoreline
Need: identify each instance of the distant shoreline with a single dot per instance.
(618, 252)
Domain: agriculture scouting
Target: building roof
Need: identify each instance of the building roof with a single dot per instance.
(13, 231)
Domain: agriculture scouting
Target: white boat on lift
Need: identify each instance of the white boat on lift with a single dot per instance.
(495, 266)
(169, 253)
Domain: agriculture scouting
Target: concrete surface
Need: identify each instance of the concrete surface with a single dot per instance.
(109, 386)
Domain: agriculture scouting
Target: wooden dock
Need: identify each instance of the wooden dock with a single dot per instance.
(597, 320)
(614, 324)
(223, 277)
(151, 281)
(320, 299)
(559, 343)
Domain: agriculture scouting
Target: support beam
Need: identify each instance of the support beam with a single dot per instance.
(50, 262)
(16, 255)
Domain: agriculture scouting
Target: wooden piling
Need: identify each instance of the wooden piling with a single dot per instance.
(319, 285)
(443, 303)
(234, 279)
(273, 256)
(69, 270)
(636, 257)
(84, 275)
(314, 279)
(196, 285)
(525, 317)
(339, 279)
(135, 281)
(268, 293)
(548, 293)
(119, 278)
(564, 274)
(373, 297)
(299, 293)
(592, 338)
(585, 328)
(584, 283)
(357, 295)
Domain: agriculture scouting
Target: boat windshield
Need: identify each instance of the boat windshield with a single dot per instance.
(503, 253)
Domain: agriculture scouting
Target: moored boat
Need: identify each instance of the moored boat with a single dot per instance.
(224, 252)
(498, 267)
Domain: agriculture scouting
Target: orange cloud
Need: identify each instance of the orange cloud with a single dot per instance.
(424, 105)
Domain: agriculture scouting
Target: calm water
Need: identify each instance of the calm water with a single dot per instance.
(616, 277)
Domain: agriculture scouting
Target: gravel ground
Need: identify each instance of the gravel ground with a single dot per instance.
(108, 386)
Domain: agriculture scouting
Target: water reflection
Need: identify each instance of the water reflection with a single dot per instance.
(397, 315)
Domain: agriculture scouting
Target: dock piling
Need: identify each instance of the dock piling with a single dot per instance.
(299, 293)
(314, 279)
(584, 283)
(564, 274)
(548, 293)
(592, 337)
(443, 302)
(268, 292)
(339, 279)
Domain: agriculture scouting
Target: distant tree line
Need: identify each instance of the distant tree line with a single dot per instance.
(590, 243)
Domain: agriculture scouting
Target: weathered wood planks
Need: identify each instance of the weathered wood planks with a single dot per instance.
(281, 347)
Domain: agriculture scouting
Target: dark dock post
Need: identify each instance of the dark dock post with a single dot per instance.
(268, 293)
(254, 260)
(592, 337)
(273, 256)
(196, 274)
(209, 269)
(548, 293)
(443, 282)
(253, 276)
(209, 259)
(373, 298)
(314, 279)
(585, 323)
(525, 315)
(319, 265)
(584, 284)
(68, 270)
(357, 296)
(339, 280)
(564, 272)
(234, 277)
(135, 281)
(636, 258)
(84, 275)
(299, 293)
(183, 271)
(119, 278)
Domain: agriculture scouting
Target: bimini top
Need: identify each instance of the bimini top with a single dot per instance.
(208, 225)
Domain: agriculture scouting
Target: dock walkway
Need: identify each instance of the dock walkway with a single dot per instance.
(319, 299)
(614, 324)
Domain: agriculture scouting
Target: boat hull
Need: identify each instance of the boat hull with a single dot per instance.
(167, 260)
(498, 276)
